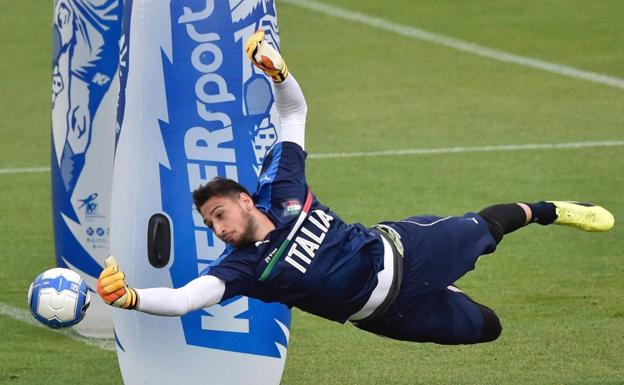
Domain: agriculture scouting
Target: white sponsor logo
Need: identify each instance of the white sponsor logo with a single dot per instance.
(204, 147)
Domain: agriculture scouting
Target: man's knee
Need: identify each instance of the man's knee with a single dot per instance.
(491, 324)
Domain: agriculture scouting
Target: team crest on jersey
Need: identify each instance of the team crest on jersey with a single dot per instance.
(291, 207)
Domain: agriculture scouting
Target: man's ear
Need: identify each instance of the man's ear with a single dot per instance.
(246, 200)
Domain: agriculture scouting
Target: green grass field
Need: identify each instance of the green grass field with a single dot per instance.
(559, 292)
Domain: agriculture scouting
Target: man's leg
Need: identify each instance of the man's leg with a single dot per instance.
(438, 251)
(447, 317)
(505, 218)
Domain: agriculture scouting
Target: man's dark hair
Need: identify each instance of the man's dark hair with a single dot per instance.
(217, 187)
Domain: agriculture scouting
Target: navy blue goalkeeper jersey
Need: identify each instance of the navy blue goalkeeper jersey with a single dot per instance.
(328, 268)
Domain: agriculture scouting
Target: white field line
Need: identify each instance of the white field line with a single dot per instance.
(454, 150)
(24, 316)
(415, 151)
(23, 170)
(431, 37)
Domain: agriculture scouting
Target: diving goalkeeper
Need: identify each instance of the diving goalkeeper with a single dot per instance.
(394, 279)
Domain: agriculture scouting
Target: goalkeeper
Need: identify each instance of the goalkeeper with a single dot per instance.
(394, 279)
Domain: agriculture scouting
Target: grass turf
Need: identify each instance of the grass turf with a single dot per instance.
(558, 291)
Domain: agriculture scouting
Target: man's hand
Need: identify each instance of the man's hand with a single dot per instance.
(265, 57)
(111, 286)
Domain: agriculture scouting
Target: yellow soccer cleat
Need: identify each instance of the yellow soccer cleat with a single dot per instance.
(584, 216)
(265, 57)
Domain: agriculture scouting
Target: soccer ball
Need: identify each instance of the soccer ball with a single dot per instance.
(58, 298)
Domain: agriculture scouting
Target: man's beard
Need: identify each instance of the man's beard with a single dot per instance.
(247, 237)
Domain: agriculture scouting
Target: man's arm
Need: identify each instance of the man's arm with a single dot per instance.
(289, 99)
(292, 109)
(201, 292)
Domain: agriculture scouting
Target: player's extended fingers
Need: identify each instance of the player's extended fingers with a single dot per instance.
(114, 286)
(109, 297)
(249, 49)
(252, 43)
(110, 270)
(267, 63)
(109, 280)
(100, 289)
(110, 261)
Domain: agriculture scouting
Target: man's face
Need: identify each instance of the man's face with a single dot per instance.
(230, 219)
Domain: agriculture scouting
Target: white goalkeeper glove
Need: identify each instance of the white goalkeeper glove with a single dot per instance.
(265, 57)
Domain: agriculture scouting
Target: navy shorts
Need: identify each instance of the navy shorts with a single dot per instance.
(438, 251)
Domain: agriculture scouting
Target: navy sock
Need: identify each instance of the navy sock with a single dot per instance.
(544, 213)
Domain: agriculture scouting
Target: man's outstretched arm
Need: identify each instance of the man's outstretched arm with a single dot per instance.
(201, 292)
(289, 99)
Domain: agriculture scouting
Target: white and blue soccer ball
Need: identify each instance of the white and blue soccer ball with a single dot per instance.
(58, 298)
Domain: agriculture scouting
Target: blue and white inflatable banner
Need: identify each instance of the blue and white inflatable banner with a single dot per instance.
(192, 107)
(84, 100)
(225, 128)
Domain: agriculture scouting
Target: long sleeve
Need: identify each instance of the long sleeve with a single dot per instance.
(201, 292)
(292, 109)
